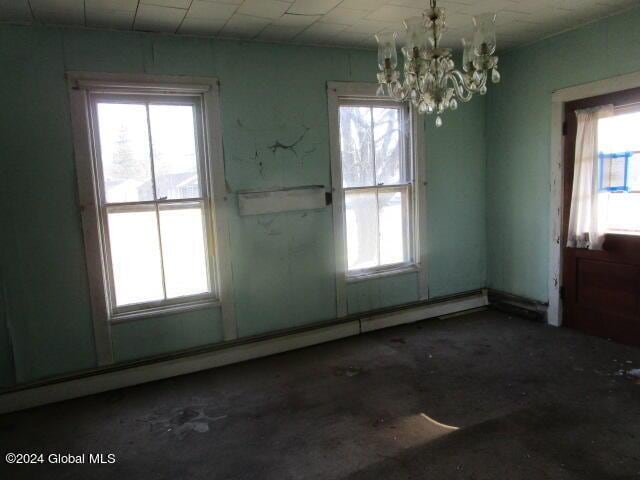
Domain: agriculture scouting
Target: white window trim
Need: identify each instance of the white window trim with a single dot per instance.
(79, 84)
(335, 92)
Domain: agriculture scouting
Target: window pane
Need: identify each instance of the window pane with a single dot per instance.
(362, 229)
(183, 248)
(174, 151)
(389, 169)
(393, 228)
(135, 256)
(124, 149)
(622, 211)
(633, 179)
(619, 133)
(613, 172)
(356, 147)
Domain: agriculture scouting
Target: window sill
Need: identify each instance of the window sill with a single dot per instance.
(163, 310)
(404, 269)
(625, 233)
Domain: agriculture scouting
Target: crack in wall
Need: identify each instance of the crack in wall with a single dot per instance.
(292, 147)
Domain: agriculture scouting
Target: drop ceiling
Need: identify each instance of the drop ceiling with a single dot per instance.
(349, 23)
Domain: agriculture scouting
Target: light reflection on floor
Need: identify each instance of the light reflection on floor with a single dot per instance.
(418, 429)
(448, 428)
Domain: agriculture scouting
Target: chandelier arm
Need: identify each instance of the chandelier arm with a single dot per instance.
(404, 93)
(403, 97)
(470, 85)
(461, 91)
(483, 82)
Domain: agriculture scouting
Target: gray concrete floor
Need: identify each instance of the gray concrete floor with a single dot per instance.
(528, 402)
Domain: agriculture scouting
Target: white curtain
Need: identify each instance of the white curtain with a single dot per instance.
(586, 219)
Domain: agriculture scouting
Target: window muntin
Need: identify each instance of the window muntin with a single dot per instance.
(377, 181)
(619, 171)
(153, 200)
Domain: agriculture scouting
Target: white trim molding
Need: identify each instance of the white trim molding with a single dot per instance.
(337, 201)
(419, 153)
(188, 362)
(354, 91)
(558, 99)
(429, 310)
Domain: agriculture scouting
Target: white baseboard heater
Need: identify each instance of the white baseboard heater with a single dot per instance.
(111, 378)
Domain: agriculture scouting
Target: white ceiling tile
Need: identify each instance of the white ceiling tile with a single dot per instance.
(207, 10)
(346, 38)
(371, 27)
(243, 26)
(264, 8)
(318, 33)
(505, 17)
(152, 18)
(312, 7)
(201, 26)
(184, 4)
(15, 11)
(226, 2)
(55, 17)
(482, 7)
(56, 4)
(278, 33)
(60, 12)
(324, 28)
(112, 5)
(345, 16)
(290, 20)
(110, 18)
(331, 22)
(364, 4)
(393, 13)
(421, 4)
(460, 20)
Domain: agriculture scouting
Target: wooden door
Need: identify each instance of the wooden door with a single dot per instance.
(601, 289)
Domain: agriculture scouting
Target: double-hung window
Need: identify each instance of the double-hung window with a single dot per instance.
(377, 181)
(374, 164)
(149, 188)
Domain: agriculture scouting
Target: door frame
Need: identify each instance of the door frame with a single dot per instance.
(558, 100)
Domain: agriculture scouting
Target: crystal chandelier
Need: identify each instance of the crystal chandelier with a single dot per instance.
(431, 82)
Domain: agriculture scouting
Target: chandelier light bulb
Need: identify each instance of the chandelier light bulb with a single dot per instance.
(387, 53)
(484, 37)
(430, 81)
(416, 37)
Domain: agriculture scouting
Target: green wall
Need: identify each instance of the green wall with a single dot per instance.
(518, 136)
(283, 264)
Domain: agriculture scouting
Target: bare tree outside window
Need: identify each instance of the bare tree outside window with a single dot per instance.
(376, 183)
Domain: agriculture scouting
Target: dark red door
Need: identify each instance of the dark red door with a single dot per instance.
(601, 288)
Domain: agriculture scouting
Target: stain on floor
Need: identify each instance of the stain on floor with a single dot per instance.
(484, 396)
